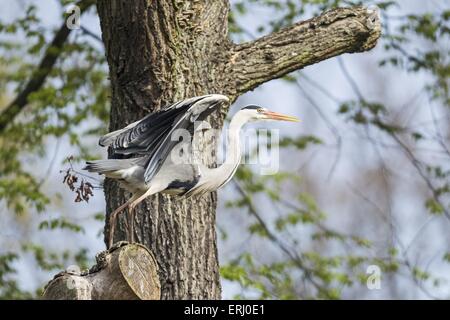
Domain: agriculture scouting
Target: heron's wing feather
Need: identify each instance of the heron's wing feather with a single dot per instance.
(136, 137)
(152, 135)
(199, 110)
(109, 138)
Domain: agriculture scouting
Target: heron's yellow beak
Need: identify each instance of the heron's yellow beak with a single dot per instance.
(280, 117)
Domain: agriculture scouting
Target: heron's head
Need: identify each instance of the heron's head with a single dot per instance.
(256, 113)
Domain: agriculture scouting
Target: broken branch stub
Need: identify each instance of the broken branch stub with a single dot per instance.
(124, 272)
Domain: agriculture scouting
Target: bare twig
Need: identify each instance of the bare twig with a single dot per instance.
(334, 130)
(88, 32)
(295, 258)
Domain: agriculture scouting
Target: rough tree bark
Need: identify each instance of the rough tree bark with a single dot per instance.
(160, 51)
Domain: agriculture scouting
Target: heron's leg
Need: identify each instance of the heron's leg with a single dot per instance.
(141, 198)
(127, 228)
(131, 212)
(131, 224)
(112, 220)
(114, 217)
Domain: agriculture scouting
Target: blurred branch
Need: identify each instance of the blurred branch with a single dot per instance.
(403, 51)
(88, 32)
(320, 88)
(350, 79)
(418, 165)
(295, 258)
(321, 226)
(39, 76)
(330, 126)
(439, 136)
(51, 164)
(338, 31)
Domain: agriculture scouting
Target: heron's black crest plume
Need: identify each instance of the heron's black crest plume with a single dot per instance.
(252, 106)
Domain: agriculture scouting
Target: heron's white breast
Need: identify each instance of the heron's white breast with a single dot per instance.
(132, 178)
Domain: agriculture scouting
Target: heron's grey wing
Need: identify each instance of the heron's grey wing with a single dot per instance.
(110, 137)
(198, 111)
(146, 134)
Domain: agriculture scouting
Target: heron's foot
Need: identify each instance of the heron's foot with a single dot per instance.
(113, 221)
(117, 245)
(131, 231)
(132, 207)
(111, 235)
(131, 224)
(128, 226)
(111, 238)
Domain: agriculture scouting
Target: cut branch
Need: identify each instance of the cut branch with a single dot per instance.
(342, 30)
(43, 70)
(124, 272)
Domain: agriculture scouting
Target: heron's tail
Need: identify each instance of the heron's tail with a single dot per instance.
(105, 166)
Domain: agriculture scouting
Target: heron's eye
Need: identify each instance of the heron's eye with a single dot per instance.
(259, 110)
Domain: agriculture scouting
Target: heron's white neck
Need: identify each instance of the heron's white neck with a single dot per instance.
(225, 172)
(233, 147)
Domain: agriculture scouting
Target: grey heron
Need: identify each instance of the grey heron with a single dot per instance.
(149, 145)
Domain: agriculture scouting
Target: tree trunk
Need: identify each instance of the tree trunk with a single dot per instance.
(161, 51)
